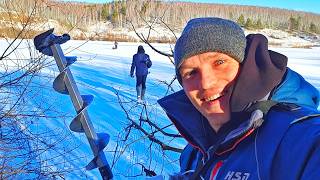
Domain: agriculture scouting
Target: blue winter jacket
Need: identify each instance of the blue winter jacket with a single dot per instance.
(284, 144)
(141, 62)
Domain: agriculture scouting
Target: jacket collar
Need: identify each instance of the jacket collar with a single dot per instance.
(187, 119)
(195, 128)
(295, 89)
(261, 71)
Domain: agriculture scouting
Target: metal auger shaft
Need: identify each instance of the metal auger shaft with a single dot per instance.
(49, 44)
(79, 104)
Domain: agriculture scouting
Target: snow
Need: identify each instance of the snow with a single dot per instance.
(284, 39)
(50, 23)
(101, 71)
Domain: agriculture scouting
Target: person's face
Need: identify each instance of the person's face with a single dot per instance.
(207, 79)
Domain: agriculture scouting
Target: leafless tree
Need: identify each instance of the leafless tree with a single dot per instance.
(29, 148)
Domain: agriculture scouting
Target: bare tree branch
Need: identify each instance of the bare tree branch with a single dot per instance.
(150, 136)
(149, 44)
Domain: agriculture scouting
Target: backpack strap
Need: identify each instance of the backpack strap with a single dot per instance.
(148, 61)
(264, 106)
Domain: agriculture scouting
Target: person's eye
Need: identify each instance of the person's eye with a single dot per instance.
(189, 74)
(219, 62)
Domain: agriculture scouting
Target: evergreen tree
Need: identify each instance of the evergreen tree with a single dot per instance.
(105, 12)
(313, 28)
(115, 13)
(259, 24)
(123, 9)
(249, 24)
(241, 21)
(299, 19)
(292, 22)
(295, 23)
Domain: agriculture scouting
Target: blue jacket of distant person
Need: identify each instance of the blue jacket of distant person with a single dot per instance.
(277, 137)
(140, 63)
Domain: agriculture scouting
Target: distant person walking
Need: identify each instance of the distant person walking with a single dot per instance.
(141, 62)
(115, 45)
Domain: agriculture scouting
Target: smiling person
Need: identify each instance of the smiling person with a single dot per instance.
(244, 113)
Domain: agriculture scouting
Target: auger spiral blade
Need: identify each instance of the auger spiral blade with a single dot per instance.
(49, 44)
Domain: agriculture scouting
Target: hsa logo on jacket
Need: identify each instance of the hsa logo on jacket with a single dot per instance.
(232, 175)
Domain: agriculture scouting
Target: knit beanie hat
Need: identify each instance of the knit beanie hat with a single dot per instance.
(203, 35)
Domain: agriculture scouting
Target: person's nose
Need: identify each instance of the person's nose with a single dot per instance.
(207, 78)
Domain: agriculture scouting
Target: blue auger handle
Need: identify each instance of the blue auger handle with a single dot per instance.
(43, 41)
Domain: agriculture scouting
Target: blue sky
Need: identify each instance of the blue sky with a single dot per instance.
(300, 5)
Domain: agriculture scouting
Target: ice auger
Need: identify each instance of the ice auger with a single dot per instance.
(49, 44)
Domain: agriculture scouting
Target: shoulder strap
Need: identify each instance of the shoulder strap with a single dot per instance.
(149, 63)
(264, 106)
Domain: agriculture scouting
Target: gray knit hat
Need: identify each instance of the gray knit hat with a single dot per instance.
(209, 35)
